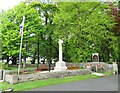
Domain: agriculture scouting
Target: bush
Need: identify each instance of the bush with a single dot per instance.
(81, 67)
(73, 68)
(4, 66)
(110, 62)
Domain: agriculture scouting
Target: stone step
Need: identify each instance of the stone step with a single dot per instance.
(98, 74)
(1, 80)
(7, 91)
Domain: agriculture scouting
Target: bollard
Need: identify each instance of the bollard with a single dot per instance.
(1, 74)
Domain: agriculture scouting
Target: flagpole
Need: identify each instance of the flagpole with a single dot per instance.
(20, 55)
(21, 32)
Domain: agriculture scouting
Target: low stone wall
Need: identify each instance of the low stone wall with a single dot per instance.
(104, 65)
(12, 72)
(107, 66)
(12, 79)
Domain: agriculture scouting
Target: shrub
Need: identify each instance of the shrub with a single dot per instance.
(4, 66)
(73, 68)
(81, 67)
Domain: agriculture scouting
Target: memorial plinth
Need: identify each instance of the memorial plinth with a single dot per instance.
(60, 66)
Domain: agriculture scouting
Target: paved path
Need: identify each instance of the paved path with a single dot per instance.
(1, 80)
(100, 84)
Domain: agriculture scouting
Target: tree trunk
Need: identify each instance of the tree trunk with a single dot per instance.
(34, 57)
(14, 60)
(8, 59)
(24, 63)
(33, 61)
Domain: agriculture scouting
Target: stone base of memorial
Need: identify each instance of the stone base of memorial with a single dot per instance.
(60, 66)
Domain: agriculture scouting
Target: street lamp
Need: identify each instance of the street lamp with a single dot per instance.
(31, 35)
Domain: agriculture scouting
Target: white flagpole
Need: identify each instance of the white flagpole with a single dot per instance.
(21, 28)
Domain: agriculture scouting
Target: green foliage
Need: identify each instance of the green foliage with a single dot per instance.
(10, 22)
(86, 27)
(4, 66)
(34, 13)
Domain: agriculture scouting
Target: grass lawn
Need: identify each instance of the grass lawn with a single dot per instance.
(27, 68)
(41, 83)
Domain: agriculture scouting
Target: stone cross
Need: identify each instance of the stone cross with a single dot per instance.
(60, 65)
(60, 49)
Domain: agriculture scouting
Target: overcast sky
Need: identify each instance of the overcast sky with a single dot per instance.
(6, 4)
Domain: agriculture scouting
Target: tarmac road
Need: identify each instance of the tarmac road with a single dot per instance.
(100, 84)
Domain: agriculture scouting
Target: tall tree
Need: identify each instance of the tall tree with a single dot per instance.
(47, 11)
(116, 30)
(11, 20)
(86, 27)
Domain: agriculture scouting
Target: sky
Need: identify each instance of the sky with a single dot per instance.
(6, 4)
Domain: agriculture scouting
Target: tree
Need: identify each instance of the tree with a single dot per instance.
(48, 11)
(42, 43)
(47, 44)
(86, 28)
(10, 22)
(116, 29)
